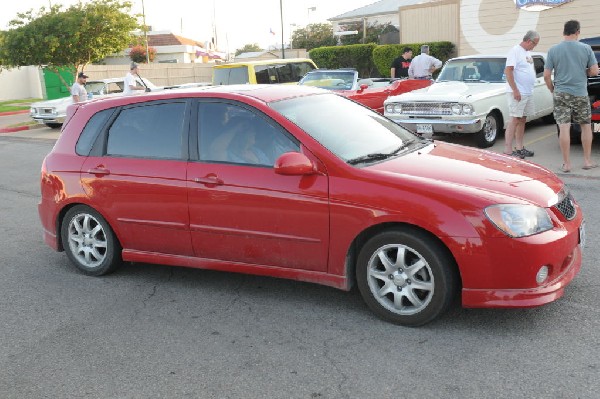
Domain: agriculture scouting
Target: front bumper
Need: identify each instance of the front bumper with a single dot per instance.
(472, 125)
(49, 119)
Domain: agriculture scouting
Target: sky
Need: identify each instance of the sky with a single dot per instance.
(238, 22)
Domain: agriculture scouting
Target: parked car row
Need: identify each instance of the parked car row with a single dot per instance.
(52, 113)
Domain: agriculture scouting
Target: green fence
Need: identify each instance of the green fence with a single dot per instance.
(54, 86)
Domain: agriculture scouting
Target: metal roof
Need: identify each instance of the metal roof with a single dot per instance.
(378, 8)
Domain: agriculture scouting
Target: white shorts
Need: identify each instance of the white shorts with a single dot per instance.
(519, 109)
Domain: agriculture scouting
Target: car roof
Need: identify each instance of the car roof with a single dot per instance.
(495, 56)
(262, 92)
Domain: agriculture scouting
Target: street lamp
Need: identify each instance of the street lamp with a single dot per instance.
(309, 9)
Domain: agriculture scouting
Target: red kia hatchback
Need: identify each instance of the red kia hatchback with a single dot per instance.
(299, 183)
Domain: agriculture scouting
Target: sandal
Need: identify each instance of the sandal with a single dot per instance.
(592, 166)
(564, 168)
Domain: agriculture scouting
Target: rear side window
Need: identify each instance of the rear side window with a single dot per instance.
(282, 73)
(151, 131)
(230, 76)
(90, 132)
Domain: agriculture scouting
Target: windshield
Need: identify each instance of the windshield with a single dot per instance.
(348, 129)
(474, 70)
(95, 88)
(331, 80)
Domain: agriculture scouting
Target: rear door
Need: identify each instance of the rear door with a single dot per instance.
(136, 176)
(542, 97)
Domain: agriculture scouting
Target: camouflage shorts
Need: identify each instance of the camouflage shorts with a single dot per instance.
(568, 107)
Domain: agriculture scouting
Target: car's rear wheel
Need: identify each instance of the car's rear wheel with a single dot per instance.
(487, 136)
(54, 125)
(89, 241)
(406, 277)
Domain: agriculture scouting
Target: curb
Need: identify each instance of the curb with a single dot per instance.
(24, 111)
(19, 128)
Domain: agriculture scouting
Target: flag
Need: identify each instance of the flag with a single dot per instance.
(271, 31)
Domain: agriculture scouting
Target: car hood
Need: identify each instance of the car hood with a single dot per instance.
(471, 168)
(452, 92)
(58, 103)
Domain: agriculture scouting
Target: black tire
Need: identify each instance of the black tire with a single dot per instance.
(410, 290)
(89, 241)
(53, 125)
(487, 136)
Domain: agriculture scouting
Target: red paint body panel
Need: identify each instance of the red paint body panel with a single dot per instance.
(304, 227)
(374, 97)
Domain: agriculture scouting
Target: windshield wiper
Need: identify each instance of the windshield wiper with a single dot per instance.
(377, 156)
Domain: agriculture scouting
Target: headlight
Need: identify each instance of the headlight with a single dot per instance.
(519, 220)
(456, 109)
(467, 109)
(31, 111)
(389, 108)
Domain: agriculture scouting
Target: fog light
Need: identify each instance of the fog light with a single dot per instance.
(542, 274)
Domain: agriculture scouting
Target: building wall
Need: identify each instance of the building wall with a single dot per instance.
(19, 83)
(430, 22)
(494, 26)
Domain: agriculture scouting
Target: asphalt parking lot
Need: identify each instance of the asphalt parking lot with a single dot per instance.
(151, 331)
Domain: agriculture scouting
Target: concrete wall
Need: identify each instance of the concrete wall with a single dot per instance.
(18, 83)
(494, 26)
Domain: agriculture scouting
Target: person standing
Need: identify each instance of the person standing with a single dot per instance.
(131, 84)
(399, 68)
(78, 91)
(423, 65)
(572, 62)
(520, 80)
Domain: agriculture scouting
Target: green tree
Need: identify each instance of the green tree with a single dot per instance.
(73, 38)
(248, 48)
(138, 53)
(313, 36)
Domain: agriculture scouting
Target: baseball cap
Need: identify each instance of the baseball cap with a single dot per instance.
(82, 75)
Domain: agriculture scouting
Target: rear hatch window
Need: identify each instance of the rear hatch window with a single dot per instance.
(230, 76)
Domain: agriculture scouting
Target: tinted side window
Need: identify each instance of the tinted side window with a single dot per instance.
(538, 64)
(262, 74)
(284, 73)
(151, 131)
(234, 134)
(300, 69)
(231, 76)
(90, 132)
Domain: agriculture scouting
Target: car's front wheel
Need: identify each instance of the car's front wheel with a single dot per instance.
(406, 277)
(89, 241)
(487, 136)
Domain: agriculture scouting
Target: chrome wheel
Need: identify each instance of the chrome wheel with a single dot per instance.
(487, 136)
(87, 240)
(406, 276)
(400, 279)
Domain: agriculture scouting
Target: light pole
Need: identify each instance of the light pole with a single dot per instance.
(281, 16)
(292, 26)
(309, 9)
(145, 33)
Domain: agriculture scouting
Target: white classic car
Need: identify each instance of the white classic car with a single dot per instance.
(468, 97)
(52, 113)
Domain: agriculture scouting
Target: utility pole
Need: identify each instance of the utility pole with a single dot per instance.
(281, 15)
(145, 33)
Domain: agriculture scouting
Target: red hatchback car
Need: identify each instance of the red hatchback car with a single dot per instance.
(299, 183)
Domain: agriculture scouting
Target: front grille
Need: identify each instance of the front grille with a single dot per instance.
(427, 108)
(48, 111)
(567, 207)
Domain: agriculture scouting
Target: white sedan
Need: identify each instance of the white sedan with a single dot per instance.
(468, 97)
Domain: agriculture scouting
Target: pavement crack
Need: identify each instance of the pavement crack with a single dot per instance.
(10, 190)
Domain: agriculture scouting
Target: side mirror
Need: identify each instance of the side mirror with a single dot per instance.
(294, 164)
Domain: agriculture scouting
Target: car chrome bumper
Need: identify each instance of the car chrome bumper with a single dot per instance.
(442, 125)
(48, 119)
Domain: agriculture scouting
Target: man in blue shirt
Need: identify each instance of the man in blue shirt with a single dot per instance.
(572, 63)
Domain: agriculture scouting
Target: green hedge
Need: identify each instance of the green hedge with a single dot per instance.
(384, 55)
(357, 56)
(371, 60)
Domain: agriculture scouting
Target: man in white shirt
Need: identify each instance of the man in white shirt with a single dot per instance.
(520, 80)
(423, 65)
(78, 91)
(131, 84)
